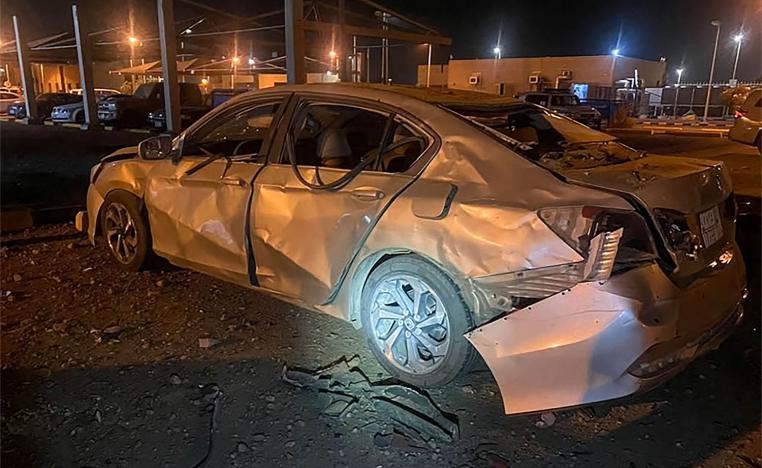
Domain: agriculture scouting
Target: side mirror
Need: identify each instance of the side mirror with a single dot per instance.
(155, 148)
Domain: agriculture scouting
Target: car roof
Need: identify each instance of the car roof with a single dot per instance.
(442, 96)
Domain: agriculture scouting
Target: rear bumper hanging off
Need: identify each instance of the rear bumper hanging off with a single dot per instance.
(602, 340)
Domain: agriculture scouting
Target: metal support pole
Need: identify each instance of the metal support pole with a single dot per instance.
(385, 49)
(342, 41)
(85, 61)
(25, 69)
(711, 72)
(355, 61)
(168, 45)
(294, 10)
(428, 68)
(367, 64)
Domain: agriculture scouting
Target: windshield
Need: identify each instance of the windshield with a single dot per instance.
(548, 138)
(144, 91)
(564, 100)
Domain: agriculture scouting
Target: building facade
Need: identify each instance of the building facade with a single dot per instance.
(510, 76)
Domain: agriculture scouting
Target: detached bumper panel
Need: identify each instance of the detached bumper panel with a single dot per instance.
(579, 346)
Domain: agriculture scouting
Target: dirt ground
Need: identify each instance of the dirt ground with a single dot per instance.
(102, 367)
(73, 395)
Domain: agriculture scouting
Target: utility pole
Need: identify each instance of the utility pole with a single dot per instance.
(25, 69)
(738, 38)
(711, 71)
(85, 61)
(168, 44)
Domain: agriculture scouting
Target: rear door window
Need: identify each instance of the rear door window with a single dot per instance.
(348, 137)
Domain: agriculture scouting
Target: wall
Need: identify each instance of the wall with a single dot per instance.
(438, 75)
(514, 73)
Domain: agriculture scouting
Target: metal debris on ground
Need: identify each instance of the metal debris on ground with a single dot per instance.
(406, 415)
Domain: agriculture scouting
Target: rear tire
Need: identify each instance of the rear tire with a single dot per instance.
(125, 228)
(414, 319)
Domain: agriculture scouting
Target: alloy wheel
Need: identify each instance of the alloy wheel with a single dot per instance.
(410, 324)
(121, 232)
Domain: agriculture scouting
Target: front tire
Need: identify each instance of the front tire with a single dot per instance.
(414, 319)
(126, 231)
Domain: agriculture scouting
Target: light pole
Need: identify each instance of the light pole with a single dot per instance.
(677, 90)
(498, 52)
(739, 39)
(711, 71)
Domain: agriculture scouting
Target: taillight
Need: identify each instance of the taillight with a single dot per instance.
(579, 225)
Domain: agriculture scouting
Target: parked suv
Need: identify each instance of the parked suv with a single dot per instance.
(565, 103)
(132, 110)
(748, 126)
(75, 112)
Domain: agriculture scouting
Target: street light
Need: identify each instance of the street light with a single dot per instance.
(715, 23)
(677, 90)
(252, 62)
(615, 52)
(498, 52)
(133, 40)
(739, 39)
(332, 54)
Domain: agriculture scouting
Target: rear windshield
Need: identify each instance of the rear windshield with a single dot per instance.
(552, 140)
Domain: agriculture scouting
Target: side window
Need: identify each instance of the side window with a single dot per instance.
(238, 132)
(345, 137)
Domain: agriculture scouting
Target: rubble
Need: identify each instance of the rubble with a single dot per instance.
(207, 342)
(546, 420)
(409, 412)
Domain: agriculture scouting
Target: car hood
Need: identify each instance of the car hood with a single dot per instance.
(683, 184)
(120, 98)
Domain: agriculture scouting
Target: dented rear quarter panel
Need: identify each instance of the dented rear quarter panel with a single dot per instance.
(490, 225)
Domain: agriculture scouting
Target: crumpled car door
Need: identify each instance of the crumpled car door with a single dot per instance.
(304, 238)
(199, 220)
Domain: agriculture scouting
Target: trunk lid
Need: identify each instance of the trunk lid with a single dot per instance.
(689, 201)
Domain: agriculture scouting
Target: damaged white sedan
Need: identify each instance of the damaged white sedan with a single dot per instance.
(444, 224)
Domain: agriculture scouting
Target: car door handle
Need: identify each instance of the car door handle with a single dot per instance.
(232, 180)
(367, 194)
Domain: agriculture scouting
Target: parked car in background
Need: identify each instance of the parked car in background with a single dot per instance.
(221, 95)
(132, 110)
(748, 125)
(45, 103)
(188, 115)
(565, 103)
(7, 99)
(75, 112)
(442, 224)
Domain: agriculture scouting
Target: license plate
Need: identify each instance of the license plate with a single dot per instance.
(158, 124)
(711, 226)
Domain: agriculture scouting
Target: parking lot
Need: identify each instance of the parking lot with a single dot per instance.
(101, 367)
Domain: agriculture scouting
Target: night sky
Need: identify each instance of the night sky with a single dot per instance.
(679, 30)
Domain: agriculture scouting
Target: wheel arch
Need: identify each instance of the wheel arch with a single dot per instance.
(371, 262)
(99, 214)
